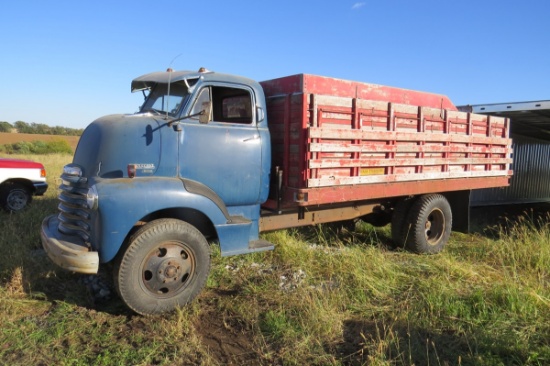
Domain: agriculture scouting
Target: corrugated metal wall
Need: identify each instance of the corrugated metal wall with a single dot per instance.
(531, 179)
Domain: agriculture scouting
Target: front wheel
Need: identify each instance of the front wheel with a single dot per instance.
(164, 267)
(429, 224)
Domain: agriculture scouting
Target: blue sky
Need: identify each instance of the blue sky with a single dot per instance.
(66, 63)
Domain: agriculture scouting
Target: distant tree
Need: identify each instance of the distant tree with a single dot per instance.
(58, 130)
(5, 126)
(22, 127)
(40, 128)
(77, 132)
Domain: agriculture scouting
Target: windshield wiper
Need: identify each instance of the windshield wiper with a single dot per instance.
(157, 111)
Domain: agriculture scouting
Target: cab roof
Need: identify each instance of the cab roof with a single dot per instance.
(190, 77)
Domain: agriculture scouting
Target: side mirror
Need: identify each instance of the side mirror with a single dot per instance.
(206, 112)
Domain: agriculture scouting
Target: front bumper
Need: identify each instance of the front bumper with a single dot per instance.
(40, 188)
(66, 251)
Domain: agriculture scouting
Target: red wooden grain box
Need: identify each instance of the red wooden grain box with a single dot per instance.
(337, 141)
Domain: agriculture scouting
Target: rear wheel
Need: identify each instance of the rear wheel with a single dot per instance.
(14, 197)
(430, 221)
(399, 228)
(164, 267)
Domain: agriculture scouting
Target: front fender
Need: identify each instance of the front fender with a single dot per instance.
(125, 201)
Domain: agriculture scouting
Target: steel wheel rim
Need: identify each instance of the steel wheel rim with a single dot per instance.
(434, 227)
(168, 269)
(17, 200)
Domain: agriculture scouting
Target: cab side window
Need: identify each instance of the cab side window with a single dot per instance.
(231, 105)
(235, 108)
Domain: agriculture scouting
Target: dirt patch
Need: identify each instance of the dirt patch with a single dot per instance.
(228, 339)
(11, 138)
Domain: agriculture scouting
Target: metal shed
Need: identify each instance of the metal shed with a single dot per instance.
(530, 131)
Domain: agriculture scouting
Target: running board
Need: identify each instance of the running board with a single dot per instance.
(239, 237)
(260, 245)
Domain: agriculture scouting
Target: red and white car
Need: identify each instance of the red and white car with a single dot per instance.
(19, 181)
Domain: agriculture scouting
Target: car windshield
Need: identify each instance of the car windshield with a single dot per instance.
(159, 101)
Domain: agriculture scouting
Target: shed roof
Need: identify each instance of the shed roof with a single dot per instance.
(528, 118)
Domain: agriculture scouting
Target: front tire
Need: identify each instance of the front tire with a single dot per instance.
(165, 266)
(429, 221)
(14, 197)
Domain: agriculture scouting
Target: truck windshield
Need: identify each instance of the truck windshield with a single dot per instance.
(160, 102)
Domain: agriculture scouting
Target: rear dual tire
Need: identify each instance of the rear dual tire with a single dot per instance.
(422, 224)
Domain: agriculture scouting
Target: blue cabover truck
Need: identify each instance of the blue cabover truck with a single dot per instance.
(216, 158)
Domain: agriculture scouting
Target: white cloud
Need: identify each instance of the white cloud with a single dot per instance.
(357, 6)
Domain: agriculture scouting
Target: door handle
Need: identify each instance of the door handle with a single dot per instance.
(255, 137)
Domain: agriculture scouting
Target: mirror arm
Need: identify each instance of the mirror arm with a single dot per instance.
(188, 116)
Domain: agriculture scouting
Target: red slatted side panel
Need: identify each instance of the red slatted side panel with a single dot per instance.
(359, 142)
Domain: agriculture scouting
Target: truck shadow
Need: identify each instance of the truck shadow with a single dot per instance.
(26, 268)
(494, 221)
(489, 221)
(347, 233)
(93, 292)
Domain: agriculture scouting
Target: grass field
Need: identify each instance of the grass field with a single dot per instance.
(317, 299)
(11, 138)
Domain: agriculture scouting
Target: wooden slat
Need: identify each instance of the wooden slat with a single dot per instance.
(376, 162)
(337, 181)
(340, 134)
(378, 148)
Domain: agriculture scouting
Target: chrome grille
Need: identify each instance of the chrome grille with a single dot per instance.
(74, 215)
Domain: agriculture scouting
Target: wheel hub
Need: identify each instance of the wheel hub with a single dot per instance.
(434, 227)
(171, 272)
(17, 200)
(167, 269)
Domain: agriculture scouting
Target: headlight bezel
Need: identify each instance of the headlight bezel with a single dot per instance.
(92, 198)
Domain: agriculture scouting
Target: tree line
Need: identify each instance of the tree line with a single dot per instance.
(39, 129)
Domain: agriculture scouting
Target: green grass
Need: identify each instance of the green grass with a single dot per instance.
(319, 299)
(38, 147)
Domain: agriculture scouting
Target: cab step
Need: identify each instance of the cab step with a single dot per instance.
(238, 220)
(260, 245)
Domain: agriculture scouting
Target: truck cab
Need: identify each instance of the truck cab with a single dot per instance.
(198, 153)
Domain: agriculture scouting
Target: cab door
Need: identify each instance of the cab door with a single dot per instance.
(225, 152)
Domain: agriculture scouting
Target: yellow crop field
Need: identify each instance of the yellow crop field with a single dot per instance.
(11, 138)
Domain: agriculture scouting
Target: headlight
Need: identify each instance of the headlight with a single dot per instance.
(92, 197)
(75, 171)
